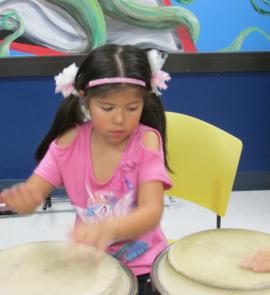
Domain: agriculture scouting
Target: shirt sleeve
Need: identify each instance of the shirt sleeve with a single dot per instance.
(152, 167)
(48, 168)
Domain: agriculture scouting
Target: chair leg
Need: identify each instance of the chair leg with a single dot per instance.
(47, 203)
(218, 221)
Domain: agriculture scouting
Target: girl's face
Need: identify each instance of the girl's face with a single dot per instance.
(117, 114)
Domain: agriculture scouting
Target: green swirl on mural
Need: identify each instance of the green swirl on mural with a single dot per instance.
(152, 17)
(259, 9)
(88, 13)
(238, 41)
(184, 1)
(10, 21)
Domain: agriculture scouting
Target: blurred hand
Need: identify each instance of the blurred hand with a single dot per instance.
(22, 198)
(258, 262)
(99, 235)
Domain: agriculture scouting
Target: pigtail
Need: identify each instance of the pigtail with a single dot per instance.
(153, 115)
(67, 116)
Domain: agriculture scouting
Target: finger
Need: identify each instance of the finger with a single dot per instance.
(81, 251)
(17, 200)
(1, 199)
(4, 195)
(247, 266)
(20, 198)
(247, 263)
(8, 196)
(261, 268)
(30, 198)
(17, 197)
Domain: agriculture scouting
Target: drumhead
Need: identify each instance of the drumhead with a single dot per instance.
(167, 281)
(213, 257)
(54, 268)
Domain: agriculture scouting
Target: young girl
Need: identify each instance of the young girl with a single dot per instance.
(112, 166)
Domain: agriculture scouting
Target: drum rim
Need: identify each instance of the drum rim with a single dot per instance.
(153, 274)
(132, 277)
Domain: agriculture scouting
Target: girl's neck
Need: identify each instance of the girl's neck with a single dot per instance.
(106, 157)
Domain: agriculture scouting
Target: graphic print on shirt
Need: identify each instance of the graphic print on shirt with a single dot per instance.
(104, 203)
(131, 251)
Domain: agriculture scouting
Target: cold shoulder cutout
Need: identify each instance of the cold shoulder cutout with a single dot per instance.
(151, 140)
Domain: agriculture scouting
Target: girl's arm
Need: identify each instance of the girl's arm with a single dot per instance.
(145, 216)
(25, 197)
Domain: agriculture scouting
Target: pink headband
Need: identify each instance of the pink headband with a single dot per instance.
(65, 80)
(115, 80)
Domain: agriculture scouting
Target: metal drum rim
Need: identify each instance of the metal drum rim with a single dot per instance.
(132, 277)
(153, 275)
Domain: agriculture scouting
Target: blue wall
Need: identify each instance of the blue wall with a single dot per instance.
(236, 102)
(27, 107)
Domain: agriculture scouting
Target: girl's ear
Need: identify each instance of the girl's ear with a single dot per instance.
(81, 93)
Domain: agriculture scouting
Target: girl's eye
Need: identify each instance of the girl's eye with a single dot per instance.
(106, 109)
(132, 109)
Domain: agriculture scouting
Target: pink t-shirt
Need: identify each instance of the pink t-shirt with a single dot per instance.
(71, 167)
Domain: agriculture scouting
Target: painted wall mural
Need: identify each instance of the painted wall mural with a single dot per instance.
(66, 27)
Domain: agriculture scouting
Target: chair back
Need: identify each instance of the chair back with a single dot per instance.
(204, 160)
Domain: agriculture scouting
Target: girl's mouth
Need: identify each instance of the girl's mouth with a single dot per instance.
(117, 133)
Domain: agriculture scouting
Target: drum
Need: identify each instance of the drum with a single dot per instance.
(181, 278)
(55, 268)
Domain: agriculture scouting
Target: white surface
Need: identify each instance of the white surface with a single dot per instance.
(247, 210)
(40, 226)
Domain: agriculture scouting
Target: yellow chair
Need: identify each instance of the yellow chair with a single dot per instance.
(204, 160)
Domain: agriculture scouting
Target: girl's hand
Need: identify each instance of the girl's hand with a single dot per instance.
(259, 262)
(99, 235)
(23, 198)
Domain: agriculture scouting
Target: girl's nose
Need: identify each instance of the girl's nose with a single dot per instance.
(119, 117)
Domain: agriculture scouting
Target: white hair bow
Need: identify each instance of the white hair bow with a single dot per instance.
(159, 77)
(65, 84)
(65, 81)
